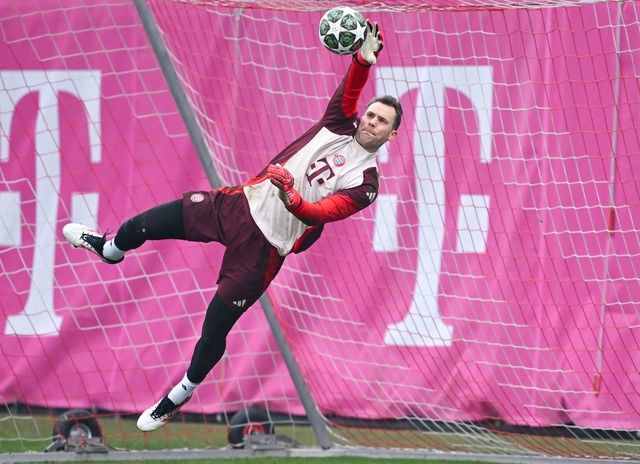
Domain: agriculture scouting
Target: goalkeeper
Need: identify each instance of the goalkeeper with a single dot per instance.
(326, 175)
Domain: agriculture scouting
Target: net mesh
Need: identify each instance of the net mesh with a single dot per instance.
(485, 303)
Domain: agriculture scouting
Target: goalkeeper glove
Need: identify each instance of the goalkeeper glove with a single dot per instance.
(373, 43)
(283, 179)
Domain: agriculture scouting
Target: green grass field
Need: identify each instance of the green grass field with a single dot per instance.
(24, 434)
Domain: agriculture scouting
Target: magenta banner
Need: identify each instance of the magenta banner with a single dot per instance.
(494, 277)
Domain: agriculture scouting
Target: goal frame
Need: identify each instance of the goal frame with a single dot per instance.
(515, 364)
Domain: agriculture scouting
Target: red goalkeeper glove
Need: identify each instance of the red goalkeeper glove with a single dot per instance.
(283, 179)
(372, 45)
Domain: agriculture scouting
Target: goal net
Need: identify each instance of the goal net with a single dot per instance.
(485, 303)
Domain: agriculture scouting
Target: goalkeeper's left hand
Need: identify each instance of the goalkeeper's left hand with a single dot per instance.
(283, 179)
(373, 43)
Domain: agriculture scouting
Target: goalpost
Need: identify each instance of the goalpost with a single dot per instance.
(485, 305)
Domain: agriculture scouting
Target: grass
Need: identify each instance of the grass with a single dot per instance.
(21, 434)
(32, 433)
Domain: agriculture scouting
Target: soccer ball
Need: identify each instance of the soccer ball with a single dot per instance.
(342, 30)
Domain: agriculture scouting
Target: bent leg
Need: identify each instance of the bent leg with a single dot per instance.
(159, 223)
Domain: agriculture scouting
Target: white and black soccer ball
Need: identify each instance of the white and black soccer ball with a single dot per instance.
(342, 30)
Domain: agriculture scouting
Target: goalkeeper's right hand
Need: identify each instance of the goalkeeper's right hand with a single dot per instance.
(373, 43)
(283, 179)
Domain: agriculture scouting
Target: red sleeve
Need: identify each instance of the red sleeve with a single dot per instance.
(341, 204)
(342, 111)
(354, 83)
(333, 208)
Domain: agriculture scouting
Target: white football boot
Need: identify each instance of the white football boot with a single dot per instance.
(159, 414)
(80, 236)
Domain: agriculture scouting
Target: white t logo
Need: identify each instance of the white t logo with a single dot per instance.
(423, 325)
(38, 316)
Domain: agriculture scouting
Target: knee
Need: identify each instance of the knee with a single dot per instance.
(131, 234)
(211, 340)
(135, 227)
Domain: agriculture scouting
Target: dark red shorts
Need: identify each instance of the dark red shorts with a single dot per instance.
(250, 262)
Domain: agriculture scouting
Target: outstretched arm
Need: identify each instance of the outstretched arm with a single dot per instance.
(344, 102)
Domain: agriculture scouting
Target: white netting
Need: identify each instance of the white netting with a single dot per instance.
(486, 298)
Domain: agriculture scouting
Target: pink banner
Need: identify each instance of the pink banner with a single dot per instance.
(502, 284)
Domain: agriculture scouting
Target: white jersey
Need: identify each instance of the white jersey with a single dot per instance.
(326, 162)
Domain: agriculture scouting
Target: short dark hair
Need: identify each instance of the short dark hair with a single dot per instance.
(392, 102)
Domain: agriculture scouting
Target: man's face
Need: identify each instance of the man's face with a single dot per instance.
(376, 126)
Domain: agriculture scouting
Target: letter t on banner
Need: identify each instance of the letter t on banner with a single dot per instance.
(423, 325)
